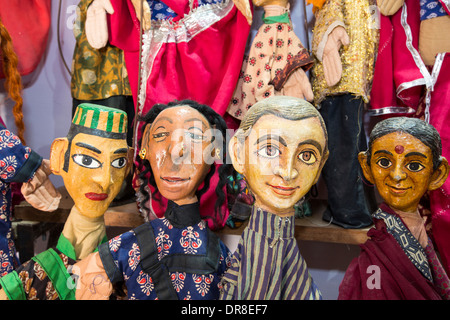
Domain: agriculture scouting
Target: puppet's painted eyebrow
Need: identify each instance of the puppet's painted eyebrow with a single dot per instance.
(121, 150)
(382, 151)
(271, 137)
(312, 142)
(195, 120)
(415, 153)
(160, 119)
(88, 146)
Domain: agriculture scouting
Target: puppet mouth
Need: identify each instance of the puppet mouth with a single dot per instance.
(174, 179)
(96, 196)
(282, 190)
(397, 190)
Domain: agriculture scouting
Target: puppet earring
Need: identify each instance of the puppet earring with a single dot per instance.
(218, 153)
(142, 153)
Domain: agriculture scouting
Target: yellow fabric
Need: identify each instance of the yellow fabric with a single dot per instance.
(357, 58)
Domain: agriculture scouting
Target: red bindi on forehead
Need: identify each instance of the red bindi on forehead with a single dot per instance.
(399, 149)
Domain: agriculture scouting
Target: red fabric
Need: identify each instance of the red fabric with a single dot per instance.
(205, 69)
(28, 23)
(399, 278)
(440, 198)
(395, 64)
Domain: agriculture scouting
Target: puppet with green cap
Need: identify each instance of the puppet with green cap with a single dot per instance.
(93, 160)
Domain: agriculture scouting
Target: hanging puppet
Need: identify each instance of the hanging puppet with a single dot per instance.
(416, 61)
(344, 44)
(276, 64)
(280, 149)
(191, 49)
(18, 163)
(92, 160)
(398, 261)
(176, 256)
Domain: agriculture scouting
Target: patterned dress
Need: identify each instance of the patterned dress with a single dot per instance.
(17, 164)
(267, 264)
(275, 54)
(175, 257)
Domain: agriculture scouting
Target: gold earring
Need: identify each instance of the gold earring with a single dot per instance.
(218, 153)
(142, 153)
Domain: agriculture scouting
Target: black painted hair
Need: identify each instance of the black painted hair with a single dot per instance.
(225, 169)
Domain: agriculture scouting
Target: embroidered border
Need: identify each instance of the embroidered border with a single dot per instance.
(407, 241)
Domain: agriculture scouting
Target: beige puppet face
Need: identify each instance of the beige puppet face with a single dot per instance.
(401, 167)
(178, 145)
(96, 170)
(281, 160)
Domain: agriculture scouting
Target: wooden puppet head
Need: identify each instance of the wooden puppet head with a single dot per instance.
(180, 144)
(280, 149)
(94, 158)
(404, 161)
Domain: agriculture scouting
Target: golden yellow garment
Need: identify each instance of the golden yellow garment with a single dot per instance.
(96, 74)
(357, 58)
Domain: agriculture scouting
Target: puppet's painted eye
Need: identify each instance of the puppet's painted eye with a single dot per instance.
(384, 163)
(119, 163)
(415, 166)
(86, 161)
(307, 157)
(269, 151)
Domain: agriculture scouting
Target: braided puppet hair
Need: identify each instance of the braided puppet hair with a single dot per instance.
(225, 169)
(13, 82)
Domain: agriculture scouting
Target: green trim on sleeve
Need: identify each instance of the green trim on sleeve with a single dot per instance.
(57, 273)
(13, 286)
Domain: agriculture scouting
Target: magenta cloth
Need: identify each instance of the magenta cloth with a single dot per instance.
(398, 82)
(205, 68)
(398, 278)
(440, 198)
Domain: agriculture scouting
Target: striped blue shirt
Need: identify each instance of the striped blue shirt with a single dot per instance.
(267, 263)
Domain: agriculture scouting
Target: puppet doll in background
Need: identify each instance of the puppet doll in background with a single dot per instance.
(177, 256)
(93, 160)
(191, 49)
(344, 44)
(18, 163)
(276, 64)
(398, 261)
(280, 149)
(416, 61)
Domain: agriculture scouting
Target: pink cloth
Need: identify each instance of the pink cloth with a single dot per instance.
(205, 68)
(440, 199)
(398, 83)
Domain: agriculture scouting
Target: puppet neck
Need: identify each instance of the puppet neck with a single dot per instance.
(84, 233)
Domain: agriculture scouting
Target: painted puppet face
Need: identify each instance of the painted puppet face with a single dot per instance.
(177, 143)
(97, 168)
(281, 160)
(401, 167)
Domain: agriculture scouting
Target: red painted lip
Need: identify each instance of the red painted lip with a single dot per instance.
(284, 191)
(96, 196)
(174, 179)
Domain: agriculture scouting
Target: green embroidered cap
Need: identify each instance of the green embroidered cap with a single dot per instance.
(101, 118)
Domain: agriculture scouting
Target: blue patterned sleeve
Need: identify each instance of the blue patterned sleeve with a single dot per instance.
(17, 162)
(125, 253)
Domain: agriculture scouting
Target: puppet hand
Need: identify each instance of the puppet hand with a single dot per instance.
(332, 65)
(389, 7)
(39, 191)
(96, 23)
(92, 283)
(298, 85)
(146, 14)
